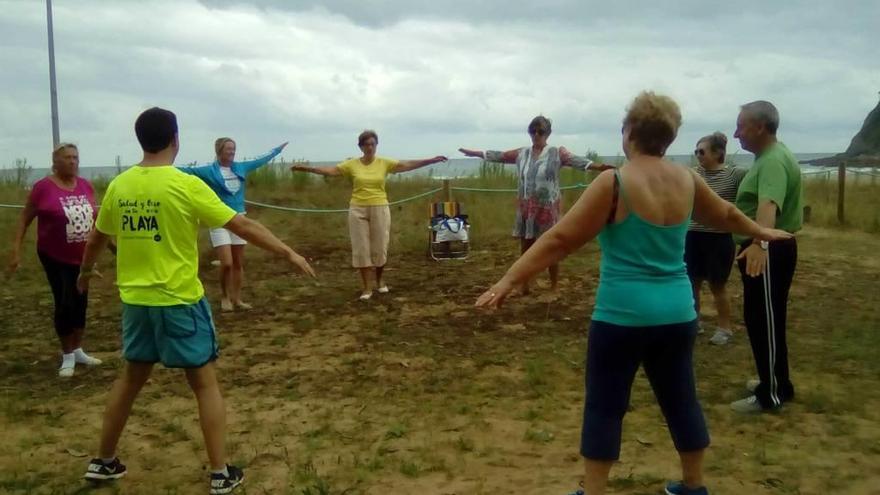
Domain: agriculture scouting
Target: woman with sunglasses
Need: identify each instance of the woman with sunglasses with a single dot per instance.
(538, 197)
(708, 251)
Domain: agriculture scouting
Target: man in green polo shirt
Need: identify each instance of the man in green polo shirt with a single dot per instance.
(772, 195)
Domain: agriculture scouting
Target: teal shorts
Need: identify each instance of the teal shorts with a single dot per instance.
(180, 336)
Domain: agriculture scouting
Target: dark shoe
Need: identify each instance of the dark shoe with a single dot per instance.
(99, 471)
(221, 484)
(678, 488)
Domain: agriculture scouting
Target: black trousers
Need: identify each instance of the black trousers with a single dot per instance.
(70, 305)
(614, 354)
(765, 311)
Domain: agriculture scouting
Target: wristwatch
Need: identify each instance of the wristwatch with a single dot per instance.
(764, 245)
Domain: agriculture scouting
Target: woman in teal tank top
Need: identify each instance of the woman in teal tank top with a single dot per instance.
(643, 283)
(644, 313)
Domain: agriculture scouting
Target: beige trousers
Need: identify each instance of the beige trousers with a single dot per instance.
(370, 231)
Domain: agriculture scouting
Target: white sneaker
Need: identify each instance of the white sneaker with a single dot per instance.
(721, 337)
(366, 296)
(700, 329)
(748, 405)
(383, 290)
(65, 372)
(88, 360)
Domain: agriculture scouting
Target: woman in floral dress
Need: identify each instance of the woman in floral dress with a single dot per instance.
(538, 196)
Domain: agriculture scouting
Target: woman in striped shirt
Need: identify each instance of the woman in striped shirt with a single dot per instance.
(709, 252)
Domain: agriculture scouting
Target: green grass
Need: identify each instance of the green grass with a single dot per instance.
(538, 436)
(861, 208)
(319, 401)
(396, 430)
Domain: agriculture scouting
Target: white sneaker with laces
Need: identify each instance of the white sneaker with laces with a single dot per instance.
(83, 358)
(747, 406)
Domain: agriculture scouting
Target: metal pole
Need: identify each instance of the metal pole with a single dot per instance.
(841, 192)
(52, 87)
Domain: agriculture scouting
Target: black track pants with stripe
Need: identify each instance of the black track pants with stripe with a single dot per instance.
(765, 311)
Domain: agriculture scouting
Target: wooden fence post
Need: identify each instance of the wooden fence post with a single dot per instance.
(447, 191)
(841, 191)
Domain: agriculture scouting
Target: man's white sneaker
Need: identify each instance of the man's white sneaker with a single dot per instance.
(747, 406)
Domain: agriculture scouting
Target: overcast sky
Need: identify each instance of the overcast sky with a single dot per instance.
(429, 76)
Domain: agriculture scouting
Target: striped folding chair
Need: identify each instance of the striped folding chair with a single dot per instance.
(448, 231)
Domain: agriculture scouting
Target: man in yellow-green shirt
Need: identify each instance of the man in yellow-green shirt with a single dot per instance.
(771, 194)
(154, 211)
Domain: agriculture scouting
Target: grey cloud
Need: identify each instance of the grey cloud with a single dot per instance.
(429, 76)
(385, 12)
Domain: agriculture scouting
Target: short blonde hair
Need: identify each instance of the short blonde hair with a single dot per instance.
(220, 143)
(653, 121)
(60, 147)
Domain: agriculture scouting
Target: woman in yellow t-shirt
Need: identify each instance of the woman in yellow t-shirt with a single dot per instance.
(369, 217)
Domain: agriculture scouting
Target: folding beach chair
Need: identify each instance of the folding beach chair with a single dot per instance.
(448, 232)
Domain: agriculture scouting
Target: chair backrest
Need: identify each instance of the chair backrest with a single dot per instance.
(449, 209)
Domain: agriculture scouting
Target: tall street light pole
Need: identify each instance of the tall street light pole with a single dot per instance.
(52, 86)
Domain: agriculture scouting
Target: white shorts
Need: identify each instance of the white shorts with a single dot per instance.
(223, 237)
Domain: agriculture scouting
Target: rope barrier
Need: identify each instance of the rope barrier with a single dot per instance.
(575, 186)
(417, 196)
(480, 189)
(297, 210)
(863, 172)
(454, 188)
(325, 210)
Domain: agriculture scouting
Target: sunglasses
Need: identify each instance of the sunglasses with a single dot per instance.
(538, 132)
(699, 152)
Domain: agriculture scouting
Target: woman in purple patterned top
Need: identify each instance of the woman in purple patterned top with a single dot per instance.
(64, 206)
(538, 196)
